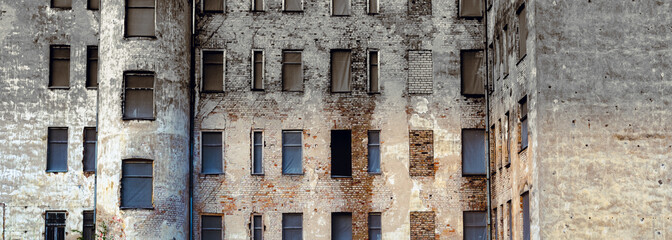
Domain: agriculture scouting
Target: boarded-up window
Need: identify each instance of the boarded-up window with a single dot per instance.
(138, 95)
(473, 152)
(211, 227)
(522, 31)
(523, 123)
(471, 8)
(293, 5)
(475, 225)
(67, 4)
(139, 18)
(136, 184)
(291, 152)
(54, 225)
(341, 153)
(292, 226)
(292, 71)
(59, 66)
(57, 150)
(258, 70)
(93, 4)
(212, 153)
(526, 215)
(257, 228)
(213, 5)
(213, 71)
(340, 7)
(258, 5)
(92, 67)
(88, 226)
(374, 72)
(373, 7)
(341, 226)
(375, 226)
(472, 72)
(257, 153)
(374, 151)
(89, 160)
(340, 70)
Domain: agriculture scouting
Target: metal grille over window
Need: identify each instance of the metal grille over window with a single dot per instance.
(257, 228)
(473, 152)
(475, 225)
(472, 72)
(213, 71)
(140, 18)
(136, 184)
(212, 153)
(92, 67)
(341, 153)
(340, 7)
(291, 152)
(257, 153)
(292, 226)
(89, 160)
(55, 225)
(59, 67)
(374, 84)
(292, 71)
(258, 73)
(57, 150)
(139, 95)
(374, 151)
(211, 227)
(213, 5)
(340, 70)
(375, 226)
(341, 226)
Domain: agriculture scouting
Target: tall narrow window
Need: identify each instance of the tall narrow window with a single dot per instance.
(373, 7)
(341, 70)
(139, 96)
(93, 4)
(374, 72)
(140, 18)
(374, 151)
(522, 31)
(472, 70)
(88, 226)
(498, 56)
(510, 220)
(293, 5)
(473, 152)
(341, 153)
(291, 152)
(341, 226)
(475, 225)
(59, 66)
(471, 8)
(507, 140)
(89, 160)
(523, 124)
(257, 228)
(65, 4)
(216, 6)
(54, 225)
(292, 226)
(257, 5)
(340, 7)
(375, 226)
(212, 153)
(211, 227)
(493, 150)
(292, 71)
(213, 71)
(136, 183)
(525, 199)
(257, 152)
(92, 66)
(57, 150)
(505, 51)
(495, 231)
(258, 70)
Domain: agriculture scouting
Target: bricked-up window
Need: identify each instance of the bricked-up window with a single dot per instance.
(213, 71)
(293, 5)
(136, 183)
(341, 226)
(422, 225)
(257, 228)
(340, 7)
(523, 123)
(54, 225)
(88, 226)
(509, 220)
(373, 7)
(292, 71)
(89, 160)
(292, 226)
(375, 226)
(471, 8)
(525, 201)
(258, 70)
(66, 4)
(138, 96)
(473, 152)
(374, 151)
(57, 149)
(341, 67)
(93, 4)
(257, 5)
(420, 72)
(522, 31)
(215, 6)
(211, 227)
(292, 152)
(92, 66)
(422, 153)
(139, 18)
(374, 72)
(59, 66)
(341, 153)
(257, 152)
(475, 225)
(472, 72)
(211, 155)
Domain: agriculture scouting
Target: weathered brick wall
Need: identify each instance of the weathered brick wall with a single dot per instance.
(421, 147)
(420, 75)
(422, 225)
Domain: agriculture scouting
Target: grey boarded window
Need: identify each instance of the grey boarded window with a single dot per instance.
(523, 124)
(293, 5)
(54, 225)
(92, 66)
(374, 151)
(138, 95)
(93, 4)
(257, 228)
(88, 226)
(292, 152)
(471, 8)
(341, 226)
(373, 6)
(258, 70)
(292, 226)
(374, 82)
(475, 225)
(57, 149)
(375, 226)
(136, 183)
(526, 215)
(472, 72)
(66, 4)
(140, 18)
(473, 151)
(341, 70)
(292, 71)
(213, 5)
(211, 227)
(211, 153)
(522, 31)
(213, 71)
(340, 7)
(257, 152)
(89, 160)
(341, 153)
(59, 66)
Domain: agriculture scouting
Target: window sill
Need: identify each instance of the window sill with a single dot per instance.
(473, 95)
(258, 174)
(212, 91)
(342, 92)
(57, 171)
(89, 171)
(211, 174)
(474, 175)
(133, 38)
(59, 88)
(471, 17)
(212, 11)
(91, 9)
(91, 88)
(521, 59)
(292, 174)
(375, 173)
(61, 8)
(292, 11)
(336, 176)
(137, 208)
(522, 149)
(258, 90)
(139, 119)
(257, 11)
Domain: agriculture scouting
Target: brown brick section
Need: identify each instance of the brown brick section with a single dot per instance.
(422, 153)
(419, 7)
(422, 226)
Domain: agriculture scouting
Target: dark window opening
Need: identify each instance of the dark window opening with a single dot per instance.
(471, 8)
(526, 215)
(88, 226)
(523, 124)
(257, 228)
(136, 184)
(214, 6)
(138, 96)
(472, 70)
(341, 226)
(92, 67)
(341, 153)
(257, 5)
(374, 72)
(510, 220)
(373, 7)
(93, 5)
(211, 227)
(90, 138)
(473, 152)
(57, 149)
(292, 71)
(522, 31)
(292, 226)
(257, 153)
(59, 66)
(292, 152)
(341, 67)
(475, 225)
(508, 140)
(213, 71)
(55, 225)
(374, 151)
(258, 70)
(375, 226)
(293, 6)
(211, 153)
(65, 4)
(495, 231)
(139, 18)
(340, 7)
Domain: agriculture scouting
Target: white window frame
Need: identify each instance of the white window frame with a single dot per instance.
(223, 67)
(368, 70)
(263, 69)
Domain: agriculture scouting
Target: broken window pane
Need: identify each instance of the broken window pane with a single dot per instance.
(88, 226)
(212, 153)
(471, 8)
(341, 153)
(139, 95)
(473, 151)
(139, 18)
(293, 5)
(292, 226)
(374, 151)
(57, 150)
(211, 227)
(61, 4)
(257, 153)
(341, 226)
(55, 225)
(213, 71)
(291, 152)
(340, 71)
(472, 68)
(374, 226)
(213, 5)
(340, 7)
(374, 85)
(92, 67)
(258, 71)
(475, 225)
(89, 160)
(59, 74)
(292, 71)
(257, 228)
(136, 184)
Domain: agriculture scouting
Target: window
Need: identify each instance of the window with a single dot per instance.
(471, 67)
(471, 8)
(211, 227)
(374, 72)
(136, 183)
(89, 161)
(213, 71)
(292, 226)
(505, 51)
(498, 143)
(139, 96)
(340, 70)
(257, 5)
(292, 71)
(258, 70)
(293, 5)
(139, 18)
(88, 227)
(525, 199)
(257, 228)
(291, 152)
(495, 232)
(93, 5)
(59, 66)
(57, 149)
(374, 151)
(473, 152)
(475, 225)
(507, 141)
(341, 226)
(65, 4)
(341, 153)
(522, 31)
(523, 123)
(493, 150)
(340, 7)
(257, 152)
(92, 66)
(216, 6)
(374, 226)
(211, 153)
(373, 7)
(498, 56)
(510, 220)
(55, 225)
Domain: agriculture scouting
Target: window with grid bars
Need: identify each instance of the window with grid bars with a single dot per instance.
(292, 226)
(257, 228)
(475, 225)
(374, 72)
(257, 152)
(92, 66)
(55, 225)
(211, 153)
(292, 71)
(213, 71)
(473, 152)
(292, 152)
(140, 18)
(211, 227)
(59, 66)
(258, 70)
(136, 183)
(375, 226)
(57, 149)
(88, 226)
(138, 95)
(374, 151)
(89, 160)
